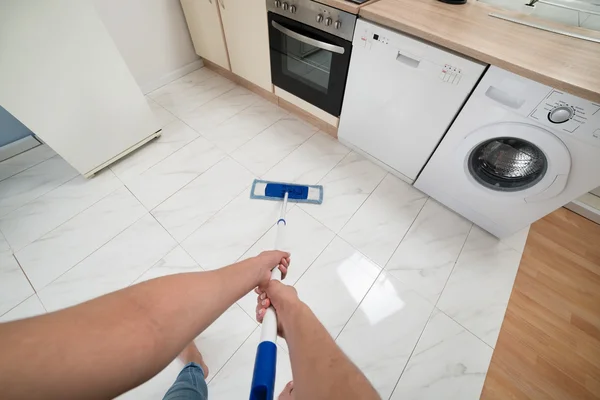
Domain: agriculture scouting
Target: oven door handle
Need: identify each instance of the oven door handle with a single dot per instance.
(305, 39)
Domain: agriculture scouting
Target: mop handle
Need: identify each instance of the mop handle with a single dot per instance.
(263, 379)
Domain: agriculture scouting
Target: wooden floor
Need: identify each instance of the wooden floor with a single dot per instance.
(549, 345)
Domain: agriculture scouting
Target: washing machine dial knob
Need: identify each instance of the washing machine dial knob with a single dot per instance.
(561, 114)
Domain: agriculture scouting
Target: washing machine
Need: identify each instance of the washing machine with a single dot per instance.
(517, 151)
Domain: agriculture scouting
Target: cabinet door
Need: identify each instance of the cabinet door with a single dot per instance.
(246, 31)
(204, 22)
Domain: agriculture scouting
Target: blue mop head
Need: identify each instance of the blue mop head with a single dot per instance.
(297, 193)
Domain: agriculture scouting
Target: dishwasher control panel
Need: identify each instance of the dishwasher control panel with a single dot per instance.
(450, 74)
(451, 68)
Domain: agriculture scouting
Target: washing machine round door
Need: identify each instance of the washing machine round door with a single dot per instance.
(517, 160)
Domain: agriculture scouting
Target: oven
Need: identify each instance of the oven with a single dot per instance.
(310, 45)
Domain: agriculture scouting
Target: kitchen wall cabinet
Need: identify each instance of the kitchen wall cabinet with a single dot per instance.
(204, 22)
(247, 36)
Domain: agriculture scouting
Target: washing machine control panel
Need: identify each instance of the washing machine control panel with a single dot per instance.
(569, 114)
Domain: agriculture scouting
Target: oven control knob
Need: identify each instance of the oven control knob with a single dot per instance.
(328, 21)
(277, 3)
(285, 6)
(338, 24)
(293, 9)
(560, 114)
(319, 18)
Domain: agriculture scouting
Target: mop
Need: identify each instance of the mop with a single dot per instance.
(263, 378)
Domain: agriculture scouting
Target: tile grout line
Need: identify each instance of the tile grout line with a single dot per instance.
(10, 247)
(234, 353)
(19, 303)
(359, 303)
(293, 151)
(380, 273)
(26, 277)
(216, 98)
(412, 352)
(406, 234)
(40, 300)
(465, 328)
(157, 162)
(45, 193)
(31, 166)
(360, 206)
(184, 186)
(160, 105)
(454, 266)
(177, 244)
(175, 80)
(288, 154)
(446, 283)
(98, 248)
(72, 217)
(247, 141)
(210, 218)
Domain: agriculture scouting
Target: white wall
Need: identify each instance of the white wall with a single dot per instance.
(153, 38)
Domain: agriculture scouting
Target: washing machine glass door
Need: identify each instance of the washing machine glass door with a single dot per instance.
(516, 160)
(507, 164)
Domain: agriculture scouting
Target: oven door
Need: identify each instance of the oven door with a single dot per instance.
(308, 63)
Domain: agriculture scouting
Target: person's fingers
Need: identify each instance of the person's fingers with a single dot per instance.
(289, 387)
(285, 262)
(283, 270)
(260, 315)
(258, 290)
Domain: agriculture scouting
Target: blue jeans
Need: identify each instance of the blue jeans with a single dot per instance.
(189, 385)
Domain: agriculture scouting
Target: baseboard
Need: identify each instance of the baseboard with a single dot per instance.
(308, 117)
(171, 76)
(92, 172)
(273, 98)
(270, 96)
(17, 147)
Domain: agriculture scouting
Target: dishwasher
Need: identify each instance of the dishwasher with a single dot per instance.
(401, 96)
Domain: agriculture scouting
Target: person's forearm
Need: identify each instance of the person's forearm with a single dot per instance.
(320, 369)
(108, 345)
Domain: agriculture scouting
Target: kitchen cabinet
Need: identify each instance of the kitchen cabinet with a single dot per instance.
(246, 32)
(204, 23)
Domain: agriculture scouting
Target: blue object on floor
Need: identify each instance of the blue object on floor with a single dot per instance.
(276, 190)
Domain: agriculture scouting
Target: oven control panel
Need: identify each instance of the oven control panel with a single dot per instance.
(571, 115)
(320, 16)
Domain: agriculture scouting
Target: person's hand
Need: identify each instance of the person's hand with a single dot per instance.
(282, 297)
(267, 261)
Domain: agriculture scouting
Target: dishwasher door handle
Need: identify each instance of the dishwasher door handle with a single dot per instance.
(305, 39)
(411, 62)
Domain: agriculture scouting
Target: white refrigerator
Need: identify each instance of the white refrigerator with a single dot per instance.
(63, 77)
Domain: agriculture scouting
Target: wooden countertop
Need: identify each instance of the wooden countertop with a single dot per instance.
(565, 63)
(346, 5)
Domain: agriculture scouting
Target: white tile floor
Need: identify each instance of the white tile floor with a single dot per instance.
(412, 292)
